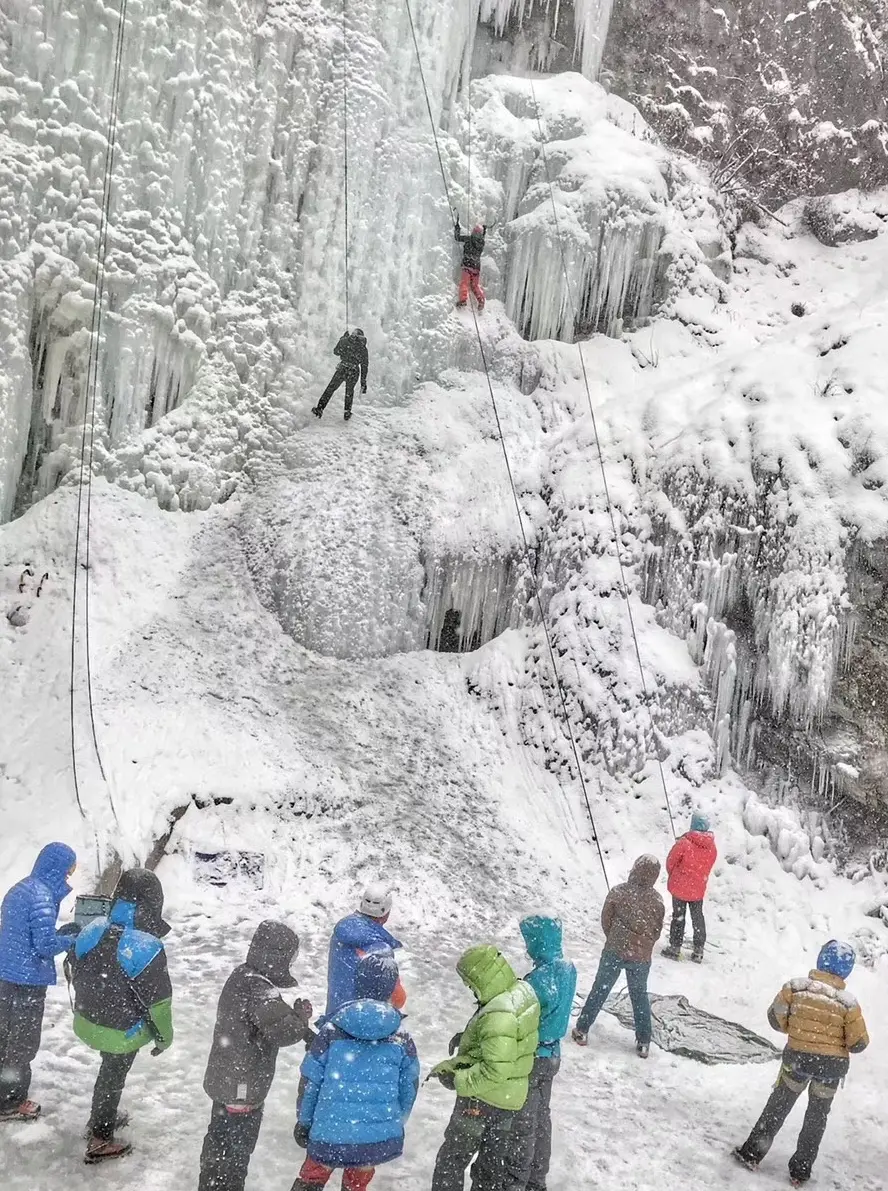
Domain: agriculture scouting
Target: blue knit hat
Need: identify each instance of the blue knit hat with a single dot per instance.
(699, 821)
(836, 958)
(376, 976)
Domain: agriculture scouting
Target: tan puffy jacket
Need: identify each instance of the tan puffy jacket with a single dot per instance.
(820, 1016)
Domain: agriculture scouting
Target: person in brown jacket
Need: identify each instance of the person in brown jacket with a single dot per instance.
(632, 921)
(824, 1027)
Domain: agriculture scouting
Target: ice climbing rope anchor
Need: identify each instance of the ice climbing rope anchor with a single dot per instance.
(538, 599)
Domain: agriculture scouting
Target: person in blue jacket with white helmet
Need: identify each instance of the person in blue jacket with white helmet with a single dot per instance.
(355, 936)
(358, 1086)
(29, 943)
(554, 980)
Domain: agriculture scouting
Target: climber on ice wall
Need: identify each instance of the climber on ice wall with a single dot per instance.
(354, 362)
(473, 246)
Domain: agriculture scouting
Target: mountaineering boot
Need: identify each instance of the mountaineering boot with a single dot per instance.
(348, 414)
(28, 1110)
(671, 952)
(460, 305)
(579, 1037)
(100, 1150)
(642, 1049)
(749, 1163)
(316, 410)
(697, 955)
(120, 1122)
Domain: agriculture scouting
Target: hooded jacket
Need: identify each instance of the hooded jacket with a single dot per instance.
(361, 1076)
(473, 246)
(820, 1016)
(352, 351)
(253, 1021)
(29, 941)
(353, 937)
(120, 972)
(553, 979)
(632, 914)
(689, 863)
(497, 1050)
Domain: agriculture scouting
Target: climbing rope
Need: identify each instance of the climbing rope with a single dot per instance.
(469, 154)
(624, 587)
(425, 90)
(538, 599)
(86, 469)
(345, 145)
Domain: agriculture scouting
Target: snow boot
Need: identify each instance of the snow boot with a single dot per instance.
(671, 952)
(460, 305)
(579, 1037)
(642, 1049)
(28, 1110)
(316, 410)
(348, 414)
(697, 955)
(100, 1150)
(121, 1121)
(749, 1163)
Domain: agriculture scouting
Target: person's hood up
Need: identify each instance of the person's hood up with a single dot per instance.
(52, 866)
(272, 951)
(376, 976)
(369, 1021)
(543, 937)
(359, 334)
(138, 902)
(486, 972)
(645, 871)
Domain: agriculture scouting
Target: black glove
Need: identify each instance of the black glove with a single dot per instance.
(157, 1050)
(447, 1080)
(300, 1135)
(70, 930)
(453, 1045)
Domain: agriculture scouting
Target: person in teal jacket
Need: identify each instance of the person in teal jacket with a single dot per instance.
(554, 980)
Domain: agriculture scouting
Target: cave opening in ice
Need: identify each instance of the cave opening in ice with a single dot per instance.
(469, 600)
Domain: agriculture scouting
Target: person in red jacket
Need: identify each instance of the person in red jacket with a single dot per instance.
(689, 865)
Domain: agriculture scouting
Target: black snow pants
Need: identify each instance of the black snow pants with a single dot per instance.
(228, 1148)
(107, 1092)
(530, 1148)
(677, 926)
(821, 1075)
(21, 1022)
(475, 1128)
(346, 374)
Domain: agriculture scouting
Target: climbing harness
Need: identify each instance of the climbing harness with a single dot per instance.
(624, 587)
(89, 429)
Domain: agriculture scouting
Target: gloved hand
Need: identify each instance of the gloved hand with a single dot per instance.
(447, 1080)
(157, 1050)
(300, 1135)
(70, 930)
(304, 1008)
(453, 1045)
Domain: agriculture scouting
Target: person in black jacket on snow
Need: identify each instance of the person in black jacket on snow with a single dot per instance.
(473, 246)
(252, 1022)
(354, 362)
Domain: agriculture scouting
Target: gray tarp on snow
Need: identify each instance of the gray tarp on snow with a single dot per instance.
(686, 1030)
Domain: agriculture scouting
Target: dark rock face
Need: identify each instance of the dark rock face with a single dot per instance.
(785, 96)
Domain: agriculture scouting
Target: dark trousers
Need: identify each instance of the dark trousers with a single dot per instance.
(107, 1092)
(343, 375)
(677, 927)
(475, 1128)
(609, 969)
(21, 1022)
(530, 1148)
(821, 1076)
(228, 1148)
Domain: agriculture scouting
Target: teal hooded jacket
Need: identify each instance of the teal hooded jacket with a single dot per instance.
(553, 979)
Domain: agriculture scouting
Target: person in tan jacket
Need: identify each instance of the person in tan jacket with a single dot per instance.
(632, 921)
(825, 1026)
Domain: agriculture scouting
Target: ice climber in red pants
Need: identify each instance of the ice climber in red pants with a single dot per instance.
(473, 246)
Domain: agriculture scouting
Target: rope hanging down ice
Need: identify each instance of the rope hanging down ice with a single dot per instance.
(345, 145)
(624, 587)
(538, 599)
(83, 527)
(425, 90)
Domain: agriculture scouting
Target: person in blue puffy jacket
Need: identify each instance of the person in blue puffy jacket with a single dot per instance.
(29, 943)
(358, 1086)
(357, 935)
(554, 980)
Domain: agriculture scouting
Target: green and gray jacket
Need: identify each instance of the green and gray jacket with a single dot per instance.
(497, 1050)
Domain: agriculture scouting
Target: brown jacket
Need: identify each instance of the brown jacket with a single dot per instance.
(820, 1016)
(632, 915)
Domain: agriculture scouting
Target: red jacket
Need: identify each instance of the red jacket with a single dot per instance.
(689, 865)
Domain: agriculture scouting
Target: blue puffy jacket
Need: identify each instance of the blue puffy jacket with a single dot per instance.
(553, 979)
(29, 941)
(361, 1079)
(352, 937)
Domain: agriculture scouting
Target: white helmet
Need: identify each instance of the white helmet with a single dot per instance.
(377, 900)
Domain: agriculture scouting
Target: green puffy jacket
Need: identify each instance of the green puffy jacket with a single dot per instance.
(497, 1050)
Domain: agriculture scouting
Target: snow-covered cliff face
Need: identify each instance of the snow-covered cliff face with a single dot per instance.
(788, 98)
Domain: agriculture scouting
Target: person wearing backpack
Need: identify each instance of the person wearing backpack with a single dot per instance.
(688, 865)
(824, 1027)
(122, 999)
(253, 1021)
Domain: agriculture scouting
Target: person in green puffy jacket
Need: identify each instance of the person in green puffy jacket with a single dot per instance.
(490, 1072)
